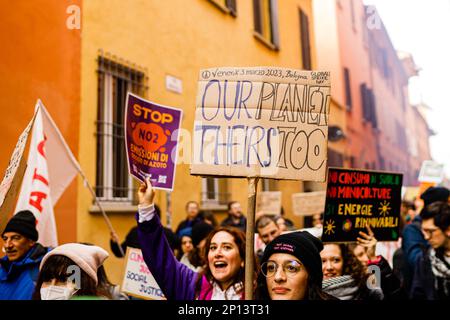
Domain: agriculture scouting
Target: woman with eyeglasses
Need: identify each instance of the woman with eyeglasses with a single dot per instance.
(291, 269)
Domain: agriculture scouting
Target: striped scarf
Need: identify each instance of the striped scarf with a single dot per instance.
(342, 287)
(441, 271)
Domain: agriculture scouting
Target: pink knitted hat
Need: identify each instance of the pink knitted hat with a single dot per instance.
(88, 258)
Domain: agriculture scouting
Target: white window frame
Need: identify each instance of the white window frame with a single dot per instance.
(107, 118)
(205, 192)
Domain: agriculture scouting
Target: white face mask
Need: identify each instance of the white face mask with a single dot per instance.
(56, 293)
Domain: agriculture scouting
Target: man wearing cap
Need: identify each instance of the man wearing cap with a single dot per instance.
(19, 268)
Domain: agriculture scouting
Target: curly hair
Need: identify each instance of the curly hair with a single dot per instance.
(352, 266)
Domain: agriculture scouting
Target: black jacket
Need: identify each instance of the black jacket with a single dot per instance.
(390, 283)
(229, 222)
(132, 241)
(425, 285)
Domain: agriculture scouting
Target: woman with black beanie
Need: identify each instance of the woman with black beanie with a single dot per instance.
(291, 269)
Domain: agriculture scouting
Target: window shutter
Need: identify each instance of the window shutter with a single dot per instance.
(274, 24)
(373, 109)
(363, 91)
(348, 92)
(305, 42)
(257, 16)
(231, 5)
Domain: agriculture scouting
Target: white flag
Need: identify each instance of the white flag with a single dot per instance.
(51, 167)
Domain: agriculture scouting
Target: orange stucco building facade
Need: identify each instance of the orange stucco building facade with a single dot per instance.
(40, 59)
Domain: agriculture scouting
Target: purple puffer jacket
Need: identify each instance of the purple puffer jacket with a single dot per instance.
(176, 280)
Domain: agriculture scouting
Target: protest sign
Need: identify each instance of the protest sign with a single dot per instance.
(357, 198)
(262, 122)
(431, 171)
(308, 203)
(268, 202)
(151, 141)
(10, 186)
(138, 280)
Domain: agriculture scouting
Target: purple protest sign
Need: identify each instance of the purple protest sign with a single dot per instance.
(151, 151)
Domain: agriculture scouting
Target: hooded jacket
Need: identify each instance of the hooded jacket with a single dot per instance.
(18, 278)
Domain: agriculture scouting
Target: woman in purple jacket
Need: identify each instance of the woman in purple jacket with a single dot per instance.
(223, 274)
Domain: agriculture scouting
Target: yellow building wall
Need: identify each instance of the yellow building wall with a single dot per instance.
(177, 38)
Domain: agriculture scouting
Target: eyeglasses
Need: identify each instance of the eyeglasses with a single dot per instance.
(290, 268)
(429, 232)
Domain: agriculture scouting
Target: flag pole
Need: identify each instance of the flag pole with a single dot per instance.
(77, 166)
(105, 216)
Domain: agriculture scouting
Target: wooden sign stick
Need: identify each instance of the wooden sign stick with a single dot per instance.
(250, 238)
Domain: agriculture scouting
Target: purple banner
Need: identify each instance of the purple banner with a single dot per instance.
(151, 151)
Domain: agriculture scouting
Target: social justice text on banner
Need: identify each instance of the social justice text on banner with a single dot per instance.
(308, 203)
(269, 202)
(262, 122)
(138, 281)
(357, 198)
(10, 186)
(152, 140)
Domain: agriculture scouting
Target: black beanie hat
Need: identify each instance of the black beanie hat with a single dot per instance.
(24, 223)
(200, 231)
(303, 246)
(434, 194)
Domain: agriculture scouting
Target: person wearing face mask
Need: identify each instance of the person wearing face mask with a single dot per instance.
(69, 271)
(291, 269)
(224, 253)
(344, 276)
(19, 268)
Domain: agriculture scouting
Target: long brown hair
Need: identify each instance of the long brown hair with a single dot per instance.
(239, 240)
(352, 266)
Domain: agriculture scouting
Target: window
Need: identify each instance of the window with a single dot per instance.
(228, 6)
(304, 38)
(368, 104)
(364, 101)
(113, 183)
(266, 22)
(214, 193)
(348, 91)
(372, 109)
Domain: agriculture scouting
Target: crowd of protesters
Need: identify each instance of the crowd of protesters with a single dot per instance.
(204, 260)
